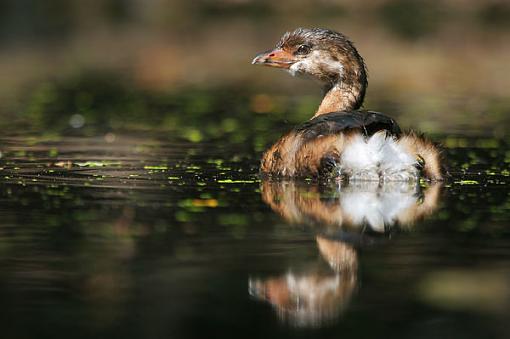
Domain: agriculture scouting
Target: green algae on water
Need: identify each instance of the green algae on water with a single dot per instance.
(158, 167)
(467, 182)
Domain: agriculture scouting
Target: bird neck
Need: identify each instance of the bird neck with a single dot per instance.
(345, 94)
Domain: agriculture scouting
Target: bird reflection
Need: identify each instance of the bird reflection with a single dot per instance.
(342, 215)
(315, 296)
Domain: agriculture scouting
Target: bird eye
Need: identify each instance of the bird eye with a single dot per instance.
(303, 50)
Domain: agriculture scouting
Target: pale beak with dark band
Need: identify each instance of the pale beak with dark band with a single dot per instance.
(275, 58)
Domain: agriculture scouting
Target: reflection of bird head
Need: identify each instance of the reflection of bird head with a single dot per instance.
(322, 54)
(306, 300)
(311, 298)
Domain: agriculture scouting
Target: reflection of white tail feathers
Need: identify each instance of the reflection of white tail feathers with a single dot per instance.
(378, 158)
(353, 204)
(375, 204)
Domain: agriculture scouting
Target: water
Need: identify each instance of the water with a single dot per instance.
(130, 204)
(120, 236)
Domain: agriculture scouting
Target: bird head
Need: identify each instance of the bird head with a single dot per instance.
(322, 54)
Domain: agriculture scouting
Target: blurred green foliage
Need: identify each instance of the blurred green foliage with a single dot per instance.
(95, 103)
(108, 103)
(175, 66)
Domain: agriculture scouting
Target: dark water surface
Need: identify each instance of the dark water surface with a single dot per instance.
(135, 238)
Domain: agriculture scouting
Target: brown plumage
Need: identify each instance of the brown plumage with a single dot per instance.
(340, 139)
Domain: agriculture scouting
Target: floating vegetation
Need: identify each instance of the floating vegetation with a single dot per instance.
(97, 163)
(205, 202)
(217, 162)
(230, 181)
(467, 182)
(158, 167)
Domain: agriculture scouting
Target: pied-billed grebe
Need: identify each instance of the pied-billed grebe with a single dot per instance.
(340, 139)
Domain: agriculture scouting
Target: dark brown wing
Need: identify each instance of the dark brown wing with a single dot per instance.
(367, 122)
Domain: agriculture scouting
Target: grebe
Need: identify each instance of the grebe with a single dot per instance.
(340, 139)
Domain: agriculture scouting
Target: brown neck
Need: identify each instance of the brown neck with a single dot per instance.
(341, 98)
(347, 93)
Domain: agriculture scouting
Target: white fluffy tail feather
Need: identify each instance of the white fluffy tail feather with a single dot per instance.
(378, 158)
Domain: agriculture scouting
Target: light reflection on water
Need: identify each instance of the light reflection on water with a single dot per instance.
(160, 239)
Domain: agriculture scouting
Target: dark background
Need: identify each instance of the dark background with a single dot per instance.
(184, 66)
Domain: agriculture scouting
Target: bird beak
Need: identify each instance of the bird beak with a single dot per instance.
(275, 58)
